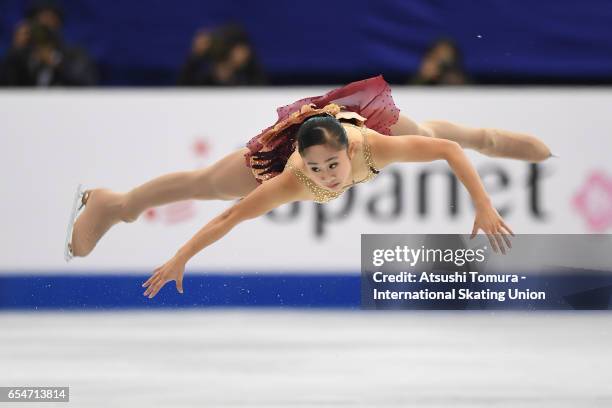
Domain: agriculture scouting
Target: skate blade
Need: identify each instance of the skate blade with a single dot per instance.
(78, 197)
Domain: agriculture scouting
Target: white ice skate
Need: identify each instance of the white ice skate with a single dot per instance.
(78, 203)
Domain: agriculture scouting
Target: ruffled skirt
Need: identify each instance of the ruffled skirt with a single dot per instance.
(370, 98)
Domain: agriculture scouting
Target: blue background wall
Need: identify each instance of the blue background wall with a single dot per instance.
(144, 42)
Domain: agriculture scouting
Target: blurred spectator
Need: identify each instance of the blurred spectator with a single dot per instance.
(197, 67)
(39, 57)
(441, 65)
(223, 57)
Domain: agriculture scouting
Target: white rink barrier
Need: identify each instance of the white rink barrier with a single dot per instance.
(50, 141)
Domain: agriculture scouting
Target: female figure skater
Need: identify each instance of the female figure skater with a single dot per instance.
(318, 148)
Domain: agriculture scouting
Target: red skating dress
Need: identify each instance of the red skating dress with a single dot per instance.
(371, 98)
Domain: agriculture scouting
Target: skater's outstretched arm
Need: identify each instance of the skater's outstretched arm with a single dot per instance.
(387, 150)
(282, 189)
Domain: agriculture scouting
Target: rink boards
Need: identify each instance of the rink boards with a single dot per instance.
(121, 138)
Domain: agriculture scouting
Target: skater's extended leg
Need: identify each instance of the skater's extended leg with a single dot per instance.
(489, 141)
(407, 126)
(226, 179)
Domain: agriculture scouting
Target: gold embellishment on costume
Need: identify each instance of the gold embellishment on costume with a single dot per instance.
(367, 154)
(322, 195)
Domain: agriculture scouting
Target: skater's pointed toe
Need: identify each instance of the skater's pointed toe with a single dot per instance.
(77, 251)
(100, 211)
(70, 254)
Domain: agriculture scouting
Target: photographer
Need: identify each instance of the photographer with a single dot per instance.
(39, 57)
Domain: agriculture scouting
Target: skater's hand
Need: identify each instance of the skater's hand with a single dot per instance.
(170, 271)
(491, 223)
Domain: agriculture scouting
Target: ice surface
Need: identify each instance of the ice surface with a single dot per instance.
(290, 358)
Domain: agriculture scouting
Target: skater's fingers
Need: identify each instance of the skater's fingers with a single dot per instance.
(157, 273)
(500, 243)
(151, 279)
(148, 282)
(150, 289)
(506, 227)
(156, 289)
(474, 231)
(506, 231)
(506, 238)
(492, 242)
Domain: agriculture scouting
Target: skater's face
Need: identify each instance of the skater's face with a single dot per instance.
(328, 167)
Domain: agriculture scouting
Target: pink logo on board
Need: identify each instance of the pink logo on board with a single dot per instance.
(181, 211)
(201, 148)
(173, 213)
(594, 201)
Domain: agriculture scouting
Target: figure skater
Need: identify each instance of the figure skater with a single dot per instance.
(319, 147)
